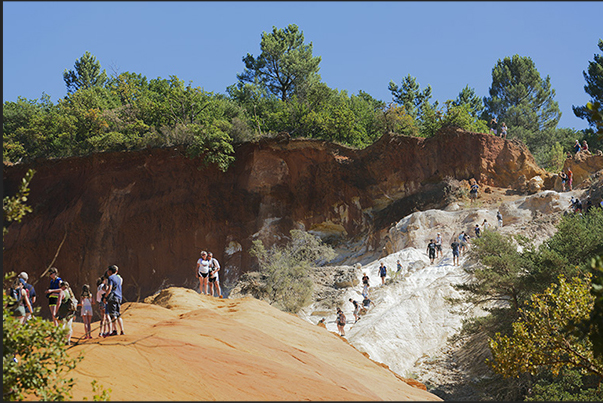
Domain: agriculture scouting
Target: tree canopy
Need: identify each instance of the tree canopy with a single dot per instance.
(285, 65)
(520, 98)
(87, 73)
(594, 85)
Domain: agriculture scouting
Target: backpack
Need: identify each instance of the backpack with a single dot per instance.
(72, 304)
(15, 294)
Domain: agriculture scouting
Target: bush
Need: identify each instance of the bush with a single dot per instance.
(287, 268)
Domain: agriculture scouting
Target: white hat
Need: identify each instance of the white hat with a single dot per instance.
(24, 276)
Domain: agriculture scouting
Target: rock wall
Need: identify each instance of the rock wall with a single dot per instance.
(152, 211)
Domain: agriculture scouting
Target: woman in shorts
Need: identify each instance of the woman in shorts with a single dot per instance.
(53, 295)
(203, 272)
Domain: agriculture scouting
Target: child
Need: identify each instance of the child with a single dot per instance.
(101, 284)
(86, 299)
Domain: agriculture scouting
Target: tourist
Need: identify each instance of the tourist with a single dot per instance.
(431, 250)
(31, 293)
(503, 130)
(438, 243)
(203, 272)
(86, 302)
(473, 191)
(485, 225)
(382, 273)
(22, 303)
(585, 147)
(577, 147)
(455, 252)
(365, 283)
(101, 289)
(356, 309)
(477, 230)
(570, 177)
(499, 218)
(340, 322)
(114, 298)
(366, 303)
(214, 268)
(563, 177)
(64, 312)
(53, 297)
(493, 124)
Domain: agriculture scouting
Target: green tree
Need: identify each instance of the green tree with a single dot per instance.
(34, 359)
(287, 268)
(409, 95)
(285, 65)
(14, 207)
(520, 98)
(468, 97)
(540, 338)
(593, 87)
(87, 73)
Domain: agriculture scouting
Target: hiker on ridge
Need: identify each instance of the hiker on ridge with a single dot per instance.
(455, 252)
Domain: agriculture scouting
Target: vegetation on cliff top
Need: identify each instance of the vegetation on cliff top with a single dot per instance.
(279, 90)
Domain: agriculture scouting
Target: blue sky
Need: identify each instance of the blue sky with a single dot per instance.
(363, 45)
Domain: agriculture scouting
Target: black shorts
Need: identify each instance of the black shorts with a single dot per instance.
(204, 274)
(113, 307)
(431, 253)
(212, 279)
(439, 248)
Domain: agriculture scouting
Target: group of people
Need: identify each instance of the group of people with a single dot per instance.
(109, 297)
(566, 178)
(494, 128)
(63, 303)
(581, 147)
(207, 273)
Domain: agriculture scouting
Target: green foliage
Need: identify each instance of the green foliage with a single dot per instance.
(540, 338)
(569, 385)
(213, 143)
(468, 97)
(520, 98)
(285, 65)
(14, 208)
(506, 277)
(86, 74)
(100, 394)
(287, 268)
(34, 358)
(409, 95)
(463, 116)
(553, 160)
(593, 87)
(395, 120)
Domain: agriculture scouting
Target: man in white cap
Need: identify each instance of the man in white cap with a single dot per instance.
(23, 277)
(438, 243)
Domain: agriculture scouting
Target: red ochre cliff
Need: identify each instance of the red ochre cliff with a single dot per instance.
(151, 212)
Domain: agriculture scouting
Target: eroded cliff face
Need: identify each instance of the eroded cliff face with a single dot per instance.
(151, 212)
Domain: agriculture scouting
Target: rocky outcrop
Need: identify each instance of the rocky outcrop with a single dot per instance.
(152, 211)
